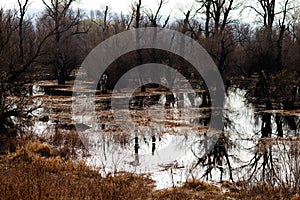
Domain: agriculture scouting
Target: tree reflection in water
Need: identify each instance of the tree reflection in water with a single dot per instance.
(275, 159)
(269, 154)
(272, 157)
(216, 157)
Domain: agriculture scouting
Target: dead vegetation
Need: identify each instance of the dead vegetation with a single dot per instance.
(35, 172)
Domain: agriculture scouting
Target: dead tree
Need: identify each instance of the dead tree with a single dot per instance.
(218, 11)
(20, 49)
(282, 30)
(217, 15)
(137, 26)
(268, 12)
(64, 22)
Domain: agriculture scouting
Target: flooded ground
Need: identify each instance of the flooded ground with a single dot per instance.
(169, 141)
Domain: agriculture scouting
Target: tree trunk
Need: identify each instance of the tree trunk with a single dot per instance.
(207, 13)
(61, 77)
(279, 126)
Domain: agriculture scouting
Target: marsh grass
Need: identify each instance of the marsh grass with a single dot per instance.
(34, 171)
(29, 173)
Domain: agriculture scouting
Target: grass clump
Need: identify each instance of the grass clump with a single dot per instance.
(32, 172)
(266, 191)
(192, 189)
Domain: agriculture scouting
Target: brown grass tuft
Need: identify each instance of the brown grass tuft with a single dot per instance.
(296, 197)
(28, 174)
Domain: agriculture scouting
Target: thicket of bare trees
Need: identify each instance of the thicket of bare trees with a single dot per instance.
(63, 47)
(236, 47)
(20, 46)
(60, 38)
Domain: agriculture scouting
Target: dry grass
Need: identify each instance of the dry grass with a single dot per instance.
(31, 174)
(35, 172)
(10, 144)
(196, 189)
(66, 143)
(265, 191)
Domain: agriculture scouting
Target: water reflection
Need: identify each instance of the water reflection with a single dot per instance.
(172, 125)
(169, 132)
(265, 150)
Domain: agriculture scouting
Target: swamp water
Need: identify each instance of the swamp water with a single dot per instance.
(167, 143)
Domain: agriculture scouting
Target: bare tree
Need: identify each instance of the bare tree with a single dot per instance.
(137, 25)
(65, 23)
(218, 40)
(104, 23)
(22, 9)
(138, 13)
(125, 22)
(19, 50)
(218, 11)
(205, 8)
(155, 18)
(282, 28)
(269, 11)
